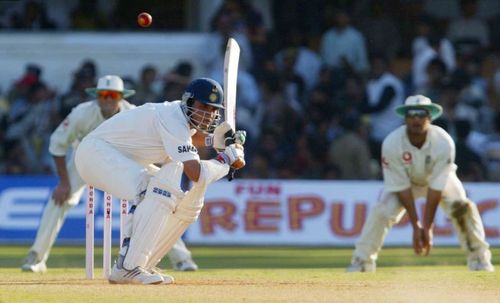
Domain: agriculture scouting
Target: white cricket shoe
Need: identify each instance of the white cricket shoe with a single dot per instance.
(480, 261)
(167, 279)
(137, 275)
(186, 265)
(33, 264)
(360, 265)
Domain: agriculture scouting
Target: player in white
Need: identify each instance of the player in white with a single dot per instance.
(84, 118)
(115, 156)
(418, 161)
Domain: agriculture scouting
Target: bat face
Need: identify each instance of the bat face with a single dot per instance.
(231, 60)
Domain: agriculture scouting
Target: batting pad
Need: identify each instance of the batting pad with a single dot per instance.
(186, 212)
(149, 223)
(151, 215)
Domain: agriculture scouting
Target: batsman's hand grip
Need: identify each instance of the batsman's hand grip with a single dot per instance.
(229, 139)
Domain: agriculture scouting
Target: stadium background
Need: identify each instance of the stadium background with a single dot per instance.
(297, 104)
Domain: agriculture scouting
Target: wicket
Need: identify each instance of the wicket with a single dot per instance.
(107, 236)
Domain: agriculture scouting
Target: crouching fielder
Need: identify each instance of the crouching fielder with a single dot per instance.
(418, 161)
(115, 157)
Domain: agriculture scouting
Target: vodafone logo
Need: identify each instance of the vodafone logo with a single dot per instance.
(407, 157)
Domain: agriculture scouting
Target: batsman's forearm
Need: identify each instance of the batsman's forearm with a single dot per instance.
(62, 172)
(406, 198)
(433, 198)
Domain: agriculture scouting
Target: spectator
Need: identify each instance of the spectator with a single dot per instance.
(89, 67)
(87, 16)
(224, 26)
(426, 29)
(422, 59)
(176, 81)
(350, 151)
(495, 84)
(491, 148)
(437, 76)
(469, 166)
(82, 79)
(32, 129)
(469, 31)
(34, 17)
(384, 92)
(14, 160)
(381, 30)
(293, 82)
(473, 95)
(307, 63)
(145, 90)
(32, 74)
(343, 46)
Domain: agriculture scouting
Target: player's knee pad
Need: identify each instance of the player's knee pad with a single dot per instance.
(460, 208)
(188, 213)
(165, 185)
(149, 226)
(188, 209)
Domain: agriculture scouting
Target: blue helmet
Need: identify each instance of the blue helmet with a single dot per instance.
(206, 91)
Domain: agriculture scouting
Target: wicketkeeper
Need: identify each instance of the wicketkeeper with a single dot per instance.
(110, 99)
(115, 158)
(418, 161)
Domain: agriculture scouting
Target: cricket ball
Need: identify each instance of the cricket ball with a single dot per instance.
(144, 19)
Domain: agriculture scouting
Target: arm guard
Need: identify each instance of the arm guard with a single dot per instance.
(211, 171)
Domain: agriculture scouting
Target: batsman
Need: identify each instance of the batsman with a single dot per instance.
(115, 158)
(418, 161)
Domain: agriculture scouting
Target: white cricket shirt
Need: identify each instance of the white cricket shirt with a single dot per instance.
(83, 119)
(405, 165)
(151, 133)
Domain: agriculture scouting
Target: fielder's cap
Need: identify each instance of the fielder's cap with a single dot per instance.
(110, 82)
(420, 102)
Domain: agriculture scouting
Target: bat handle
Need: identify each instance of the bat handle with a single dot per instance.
(229, 135)
(230, 175)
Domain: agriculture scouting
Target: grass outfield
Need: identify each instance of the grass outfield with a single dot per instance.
(254, 274)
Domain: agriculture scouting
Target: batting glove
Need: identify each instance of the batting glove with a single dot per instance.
(224, 136)
(233, 155)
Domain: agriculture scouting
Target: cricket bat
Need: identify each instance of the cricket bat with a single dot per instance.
(231, 59)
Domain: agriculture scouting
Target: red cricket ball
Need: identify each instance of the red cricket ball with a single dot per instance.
(144, 19)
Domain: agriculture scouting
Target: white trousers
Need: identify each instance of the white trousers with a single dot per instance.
(389, 211)
(53, 215)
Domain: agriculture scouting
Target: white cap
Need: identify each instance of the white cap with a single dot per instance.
(420, 101)
(110, 82)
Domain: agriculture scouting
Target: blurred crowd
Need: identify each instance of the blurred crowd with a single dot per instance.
(316, 92)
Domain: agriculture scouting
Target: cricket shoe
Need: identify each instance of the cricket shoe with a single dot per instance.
(360, 265)
(480, 261)
(166, 278)
(137, 275)
(186, 265)
(33, 264)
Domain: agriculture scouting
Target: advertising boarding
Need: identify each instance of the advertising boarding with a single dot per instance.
(250, 212)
